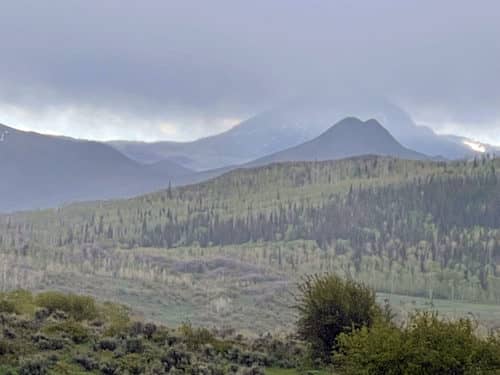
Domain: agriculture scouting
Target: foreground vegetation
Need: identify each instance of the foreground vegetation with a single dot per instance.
(56, 333)
(341, 330)
(347, 329)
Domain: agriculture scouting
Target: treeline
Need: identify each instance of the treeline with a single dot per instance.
(442, 216)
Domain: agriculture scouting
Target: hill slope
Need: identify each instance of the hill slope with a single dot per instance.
(42, 171)
(229, 250)
(349, 137)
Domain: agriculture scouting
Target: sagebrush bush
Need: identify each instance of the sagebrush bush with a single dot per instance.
(134, 345)
(7, 370)
(71, 329)
(67, 344)
(50, 344)
(34, 366)
(108, 344)
(88, 363)
(109, 368)
(5, 347)
(17, 302)
(7, 307)
(132, 364)
(117, 317)
(176, 358)
(196, 337)
(78, 307)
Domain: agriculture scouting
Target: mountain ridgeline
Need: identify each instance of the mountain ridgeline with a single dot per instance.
(405, 226)
(40, 171)
(293, 123)
(349, 137)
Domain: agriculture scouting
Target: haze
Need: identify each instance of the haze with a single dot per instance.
(181, 70)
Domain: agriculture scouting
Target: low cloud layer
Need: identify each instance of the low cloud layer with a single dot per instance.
(183, 69)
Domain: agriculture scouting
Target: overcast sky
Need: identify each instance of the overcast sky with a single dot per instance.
(183, 69)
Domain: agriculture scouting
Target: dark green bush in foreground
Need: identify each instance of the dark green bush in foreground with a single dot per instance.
(329, 306)
(427, 345)
(344, 326)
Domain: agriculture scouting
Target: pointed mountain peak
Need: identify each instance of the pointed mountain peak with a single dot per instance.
(353, 126)
(347, 138)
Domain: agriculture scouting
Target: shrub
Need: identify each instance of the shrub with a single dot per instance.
(7, 307)
(428, 345)
(109, 368)
(175, 358)
(34, 366)
(149, 330)
(20, 300)
(9, 333)
(134, 345)
(131, 364)
(50, 344)
(78, 307)
(162, 336)
(196, 337)
(7, 370)
(5, 347)
(41, 313)
(74, 330)
(329, 306)
(88, 363)
(136, 328)
(108, 344)
(251, 371)
(117, 317)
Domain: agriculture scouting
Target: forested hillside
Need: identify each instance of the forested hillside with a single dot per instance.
(410, 227)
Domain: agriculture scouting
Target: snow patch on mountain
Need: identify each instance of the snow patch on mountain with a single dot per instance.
(475, 146)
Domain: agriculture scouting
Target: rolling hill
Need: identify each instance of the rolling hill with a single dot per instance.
(412, 227)
(43, 171)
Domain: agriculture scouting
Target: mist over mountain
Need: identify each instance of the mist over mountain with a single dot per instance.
(249, 188)
(290, 124)
(261, 135)
(349, 137)
(46, 171)
(43, 171)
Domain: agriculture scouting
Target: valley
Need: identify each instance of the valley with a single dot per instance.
(230, 251)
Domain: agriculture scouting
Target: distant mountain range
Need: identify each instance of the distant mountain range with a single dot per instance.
(40, 171)
(350, 137)
(259, 136)
(291, 124)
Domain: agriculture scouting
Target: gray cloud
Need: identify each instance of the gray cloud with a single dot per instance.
(125, 69)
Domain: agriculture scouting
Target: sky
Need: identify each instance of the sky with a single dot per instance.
(180, 70)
